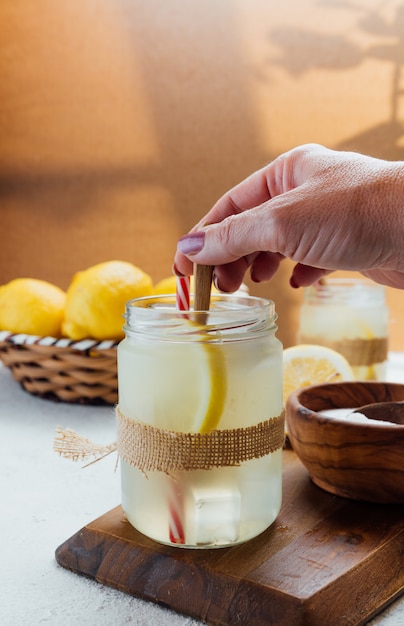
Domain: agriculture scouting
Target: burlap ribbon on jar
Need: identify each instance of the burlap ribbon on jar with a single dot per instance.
(149, 448)
(358, 352)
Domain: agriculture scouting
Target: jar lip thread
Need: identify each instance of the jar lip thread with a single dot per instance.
(344, 290)
(229, 316)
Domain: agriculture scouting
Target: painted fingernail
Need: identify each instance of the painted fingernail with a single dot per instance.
(192, 243)
(293, 283)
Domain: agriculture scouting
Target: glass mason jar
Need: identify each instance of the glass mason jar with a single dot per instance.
(350, 316)
(200, 420)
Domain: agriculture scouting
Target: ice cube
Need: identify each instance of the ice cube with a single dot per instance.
(216, 516)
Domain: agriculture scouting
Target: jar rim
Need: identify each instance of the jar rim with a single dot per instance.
(353, 290)
(228, 314)
(246, 301)
(345, 280)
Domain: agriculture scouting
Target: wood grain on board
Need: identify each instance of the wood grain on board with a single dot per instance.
(325, 560)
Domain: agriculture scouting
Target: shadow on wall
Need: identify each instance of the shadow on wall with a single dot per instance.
(121, 131)
(122, 123)
(338, 52)
(187, 140)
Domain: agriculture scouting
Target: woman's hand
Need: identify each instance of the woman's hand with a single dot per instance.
(323, 209)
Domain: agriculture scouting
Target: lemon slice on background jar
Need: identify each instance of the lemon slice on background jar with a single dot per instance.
(333, 326)
(307, 364)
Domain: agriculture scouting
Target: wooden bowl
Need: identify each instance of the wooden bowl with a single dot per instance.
(361, 461)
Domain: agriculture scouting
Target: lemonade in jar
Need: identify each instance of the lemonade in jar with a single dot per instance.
(351, 317)
(200, 420)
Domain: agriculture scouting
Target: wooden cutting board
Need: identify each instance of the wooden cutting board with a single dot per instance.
(325, 561)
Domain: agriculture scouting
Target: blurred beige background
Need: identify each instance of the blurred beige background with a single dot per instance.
(122, 122)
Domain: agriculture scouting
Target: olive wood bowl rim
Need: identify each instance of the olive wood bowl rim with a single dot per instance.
(295, 403)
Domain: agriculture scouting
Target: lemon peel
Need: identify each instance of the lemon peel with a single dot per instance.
(216, 395)
(213, 376)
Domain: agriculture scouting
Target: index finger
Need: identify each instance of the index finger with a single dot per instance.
(281, 175)
(251, 192)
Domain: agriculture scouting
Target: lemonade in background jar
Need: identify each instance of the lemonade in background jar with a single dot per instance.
(200, 423)
(351, 317)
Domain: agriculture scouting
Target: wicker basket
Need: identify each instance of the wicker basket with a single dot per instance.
(82, 372)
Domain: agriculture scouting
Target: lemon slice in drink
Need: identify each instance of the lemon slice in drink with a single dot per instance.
(307, 364)
(178, 385)
(212, 378)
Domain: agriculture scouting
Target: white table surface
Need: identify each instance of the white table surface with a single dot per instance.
(46, 499)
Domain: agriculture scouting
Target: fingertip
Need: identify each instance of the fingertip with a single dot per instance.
(215, 281)
(305, 275)
(177, 272)
(293, 283)
(182, 266)
(228, 278)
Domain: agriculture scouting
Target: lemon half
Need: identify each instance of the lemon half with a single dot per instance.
(307, 364)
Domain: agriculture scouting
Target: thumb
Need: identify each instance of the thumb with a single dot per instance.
(235, 237)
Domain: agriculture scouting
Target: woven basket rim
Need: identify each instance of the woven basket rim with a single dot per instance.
(62, 342)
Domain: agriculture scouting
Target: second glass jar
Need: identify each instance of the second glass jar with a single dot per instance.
(351, 317)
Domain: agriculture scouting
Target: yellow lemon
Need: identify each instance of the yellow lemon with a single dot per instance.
(96, 299)
(307, 364)
(32, 306)
(168, 286)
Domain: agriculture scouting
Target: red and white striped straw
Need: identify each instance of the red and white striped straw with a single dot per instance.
(176, 530)
(183, 293)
